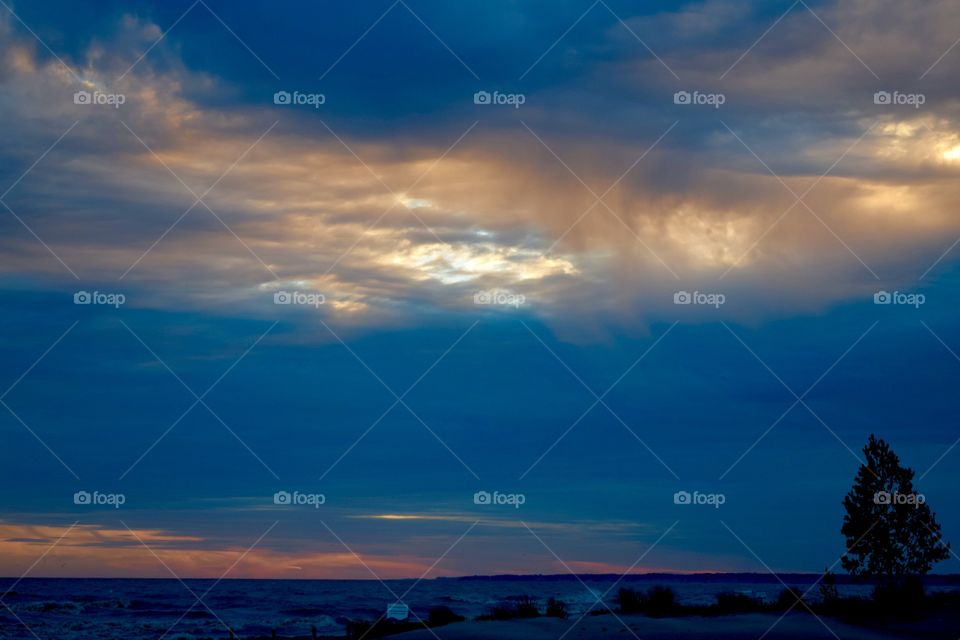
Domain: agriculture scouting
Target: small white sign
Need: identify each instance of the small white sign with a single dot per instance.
(398, 611)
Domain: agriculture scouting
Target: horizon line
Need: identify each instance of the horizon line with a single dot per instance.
(499, 576)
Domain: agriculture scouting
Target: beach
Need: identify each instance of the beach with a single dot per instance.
(793, 626)
(91, 609)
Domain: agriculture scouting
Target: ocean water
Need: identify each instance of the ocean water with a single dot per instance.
(130, 609)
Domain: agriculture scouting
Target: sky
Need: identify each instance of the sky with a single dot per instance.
(414, 288)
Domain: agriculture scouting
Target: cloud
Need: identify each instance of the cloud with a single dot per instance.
(389, 226)
(93, 550)
(103, 551)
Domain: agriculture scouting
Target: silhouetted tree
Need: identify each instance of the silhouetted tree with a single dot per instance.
(891, 532)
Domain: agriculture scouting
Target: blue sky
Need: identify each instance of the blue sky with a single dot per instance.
(491, 292)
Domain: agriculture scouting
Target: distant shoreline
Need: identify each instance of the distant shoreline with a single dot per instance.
(945, 579)
(706, 577)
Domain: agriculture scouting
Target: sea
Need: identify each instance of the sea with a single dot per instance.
(155, 609)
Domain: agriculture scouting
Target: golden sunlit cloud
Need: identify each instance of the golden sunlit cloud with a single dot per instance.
(92, 550)
(450, 264)
(293, 206)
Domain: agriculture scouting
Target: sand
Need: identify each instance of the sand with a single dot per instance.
(795, 626)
